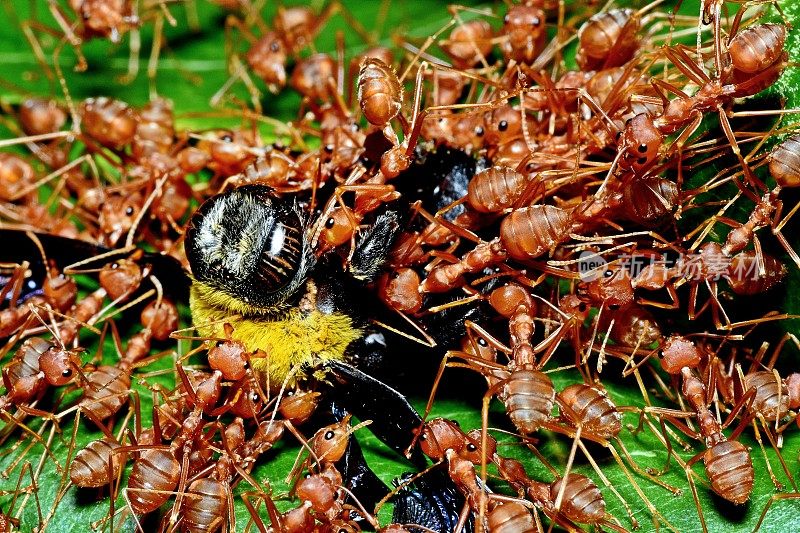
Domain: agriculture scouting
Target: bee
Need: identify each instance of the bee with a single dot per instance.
(253, 266)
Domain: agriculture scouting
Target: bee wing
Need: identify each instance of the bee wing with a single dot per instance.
(18, 246)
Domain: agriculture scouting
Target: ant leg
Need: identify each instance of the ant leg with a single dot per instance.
(155, 51)
(774, 498)
(609, 486)
(778, 226)
(690, 477)
(751, 178)
(757, 434)
(69, 34)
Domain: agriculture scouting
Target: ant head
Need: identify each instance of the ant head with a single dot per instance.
(573, 306)
(120, 278)
(118, 214)
(679, 353)
(472, 447)
(267, 58)
(613, 288)
(230, 358)
(247, 401)
(298, 406)
(502, 124)
(640, 143)
(440, 435)
(523, 20)
(37, 116)
(60, 289)
(59, 366)
(508, 298)
(330, 442)
(161, 317)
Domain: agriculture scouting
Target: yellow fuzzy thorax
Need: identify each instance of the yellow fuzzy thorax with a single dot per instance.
(288, 340)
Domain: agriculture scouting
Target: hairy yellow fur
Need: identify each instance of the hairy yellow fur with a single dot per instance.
(289, 339)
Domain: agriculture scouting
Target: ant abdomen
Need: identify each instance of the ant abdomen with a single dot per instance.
(529, 232)
(754, 49)
(771, 395)
(206, 506)
(784, 162)
(529, 396)
(730, 470)
(90, 467)
(594, 409)
(511, 517)
(582, 501)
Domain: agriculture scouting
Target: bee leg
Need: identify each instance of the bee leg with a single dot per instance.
(431, 500)
(372, 247)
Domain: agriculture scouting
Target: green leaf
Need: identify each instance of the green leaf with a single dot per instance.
(191, 70)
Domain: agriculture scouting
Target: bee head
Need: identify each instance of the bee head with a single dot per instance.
(250, 245)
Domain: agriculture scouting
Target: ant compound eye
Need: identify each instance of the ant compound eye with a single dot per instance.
(457, 424)
(329, 148)
(482, 342)
(535, 22)
(67, 372)
(479, 131)
(129, 210)
(642, 160)
(613, 307)
(255, 398)
(275, 47)
(329, 435)
(608, 273)
(503, 126)
(330, 223)
(642, 148)
(228, 138)
(582, 307)
(114, 265)
(507, 19)
(471, 447)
